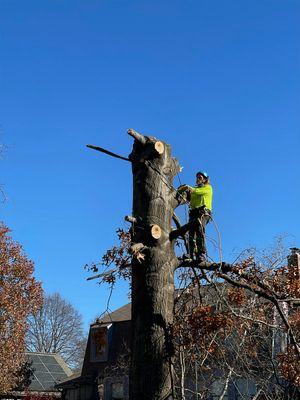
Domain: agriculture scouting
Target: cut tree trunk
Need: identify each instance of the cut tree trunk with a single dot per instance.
(153, 170)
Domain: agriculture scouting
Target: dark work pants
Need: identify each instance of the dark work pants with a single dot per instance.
(199, 218)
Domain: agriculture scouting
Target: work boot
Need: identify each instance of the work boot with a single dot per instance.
(185, 257)
(201, 257)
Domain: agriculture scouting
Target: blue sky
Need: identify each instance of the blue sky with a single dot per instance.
(218, 80)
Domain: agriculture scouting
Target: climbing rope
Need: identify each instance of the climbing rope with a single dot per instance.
(185, 203)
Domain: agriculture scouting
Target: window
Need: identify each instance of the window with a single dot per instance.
(99, 343)
(117, 391)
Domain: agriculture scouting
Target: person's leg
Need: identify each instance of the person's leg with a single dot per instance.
(193, 221)
(192, 241)
(200, 237)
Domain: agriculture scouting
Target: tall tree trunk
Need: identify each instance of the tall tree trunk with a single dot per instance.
(153, 264)
(153, 271)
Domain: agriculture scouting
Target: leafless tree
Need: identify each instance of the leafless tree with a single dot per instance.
(57, 328)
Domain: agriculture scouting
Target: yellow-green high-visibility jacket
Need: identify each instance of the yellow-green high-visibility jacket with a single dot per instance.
(201, 196)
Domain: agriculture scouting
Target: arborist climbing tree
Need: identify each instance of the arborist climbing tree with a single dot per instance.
(200, 199)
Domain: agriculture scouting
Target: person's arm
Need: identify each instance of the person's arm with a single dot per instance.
(183, 188)
(184, 194)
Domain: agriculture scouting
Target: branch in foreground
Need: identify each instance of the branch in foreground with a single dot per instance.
(224, 267)
(103, 274)
(272, 299)
(110, 153)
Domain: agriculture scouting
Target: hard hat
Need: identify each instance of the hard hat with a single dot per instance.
(203, 173)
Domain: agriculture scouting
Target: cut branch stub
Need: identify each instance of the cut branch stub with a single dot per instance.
(135, 248)
(137, 136)
(159, 147)
(136, 251)
(155, 231)
(130, 218)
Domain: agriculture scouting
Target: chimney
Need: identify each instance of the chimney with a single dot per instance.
(294, 262)
(294, 272)
(280, 339)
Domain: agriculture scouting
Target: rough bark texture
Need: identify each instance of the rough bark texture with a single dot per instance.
(153, 275)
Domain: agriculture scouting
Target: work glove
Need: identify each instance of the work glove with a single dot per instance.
(183, 194)
(182, 188)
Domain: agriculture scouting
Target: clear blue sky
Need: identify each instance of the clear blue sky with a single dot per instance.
(218, 80)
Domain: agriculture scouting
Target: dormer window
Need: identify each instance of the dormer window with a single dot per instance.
(99, 343)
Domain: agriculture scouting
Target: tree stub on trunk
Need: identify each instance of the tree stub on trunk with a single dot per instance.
(137, 136)
(135, 248)
(130, 219)
(155, 231)
(159, 147)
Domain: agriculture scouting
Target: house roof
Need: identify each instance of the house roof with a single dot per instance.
(121, 314)
(74, 378)
(48, 370)
(124, 313)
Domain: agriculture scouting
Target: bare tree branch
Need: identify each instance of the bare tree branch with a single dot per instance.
(110, 153)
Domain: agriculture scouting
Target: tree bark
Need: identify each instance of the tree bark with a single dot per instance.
(153, 170)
